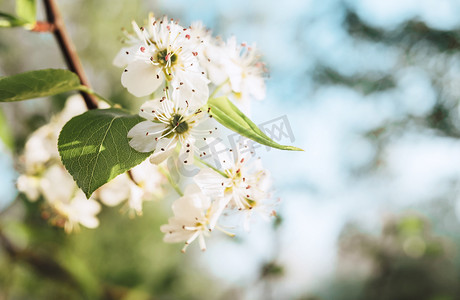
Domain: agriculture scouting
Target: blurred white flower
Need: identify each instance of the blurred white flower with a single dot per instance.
(41, 147)
(192, 213)
(238, 68)
(44, 175)
(243, 185)
(67, 200)
(200, 36)
(162, 50)
(170, 122)
(29, 185)
(145, 184)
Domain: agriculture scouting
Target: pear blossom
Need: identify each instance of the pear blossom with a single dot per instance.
(68, 204)
(243, 184)
(238, 68)
(67, 200)
(144, 183)
(191, 220)
(171, 122)
(202, 39)
(29, 185)
(162, 51)
(40, 148)
(44, 175)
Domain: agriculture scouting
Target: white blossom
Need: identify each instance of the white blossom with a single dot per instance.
(191, 220)
(243, 184)
(41, 146)
(238, 68)
(162, 51)
(29, 185)
(67, 200)
(171, 122)
(44, 175)
(143, 184)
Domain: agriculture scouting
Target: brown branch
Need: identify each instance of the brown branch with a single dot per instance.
(43, 265)
(41, 26)
(68, 49)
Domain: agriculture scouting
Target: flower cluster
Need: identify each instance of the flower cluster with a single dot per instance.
(181, 69)
(65, 205)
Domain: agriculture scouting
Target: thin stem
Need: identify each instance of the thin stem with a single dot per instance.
(170, 180)
(218, 88)
(210, 166)
(87, 90)
(68, 49)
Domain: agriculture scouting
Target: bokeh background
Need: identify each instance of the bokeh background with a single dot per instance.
(370, 210)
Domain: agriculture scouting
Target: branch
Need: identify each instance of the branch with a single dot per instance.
(43, 265)
(68, 49)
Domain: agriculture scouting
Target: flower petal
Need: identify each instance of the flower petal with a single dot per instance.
(165, 148)
(141, 78)
(211, 183)
(191, 87)
(150, 108)
(143, 135)
(187, 151)
(125, 56)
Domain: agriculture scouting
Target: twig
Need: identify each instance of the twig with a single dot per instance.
(43, 27)
(44, 265)
(68, 49)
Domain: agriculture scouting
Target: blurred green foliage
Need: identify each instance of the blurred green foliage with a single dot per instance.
(123, 259)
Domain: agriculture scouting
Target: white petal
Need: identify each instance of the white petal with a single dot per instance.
(125, 56)
(29, 185)
(136, 198)
(187, 158)
(143, 135)
(194, 89)
(191, 206)
(150, 108)
(217, 208)
(218, 154)
(235, 76)
(164, 149)
(211, 183)
(256, 85)
(57, 185)
(141, 78)
(115, 191)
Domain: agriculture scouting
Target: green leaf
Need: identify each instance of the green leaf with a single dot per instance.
(226, 113)
(94, 147)
(26, 9)
(7, 20)
(5, 132)
(36, 84)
